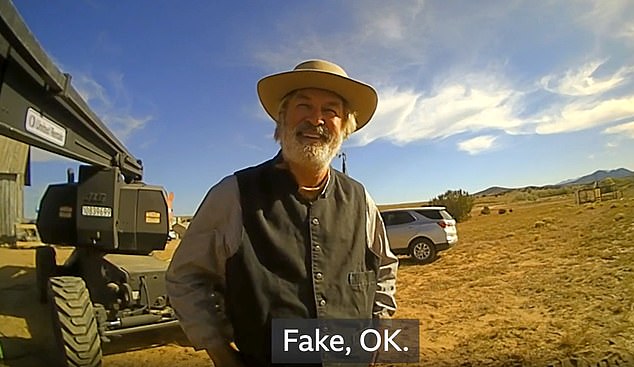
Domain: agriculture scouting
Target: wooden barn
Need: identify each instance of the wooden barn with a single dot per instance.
(13, 176)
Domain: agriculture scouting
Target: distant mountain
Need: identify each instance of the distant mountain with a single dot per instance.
(598, 176)
(495, 190)
(587, 179)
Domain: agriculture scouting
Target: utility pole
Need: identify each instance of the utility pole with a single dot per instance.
(342, 155)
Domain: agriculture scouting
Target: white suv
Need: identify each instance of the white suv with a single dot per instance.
(420, 232)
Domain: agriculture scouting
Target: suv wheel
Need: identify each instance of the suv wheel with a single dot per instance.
(422, 250)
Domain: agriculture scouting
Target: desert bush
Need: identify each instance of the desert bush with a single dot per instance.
(486, 210)
(458, 203)
(523, 196)
(544, 193)
(501, 211)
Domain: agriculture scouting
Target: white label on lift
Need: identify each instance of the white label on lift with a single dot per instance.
(96, 211)
(44, 128)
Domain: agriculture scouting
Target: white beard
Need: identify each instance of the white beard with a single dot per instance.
(317, 155)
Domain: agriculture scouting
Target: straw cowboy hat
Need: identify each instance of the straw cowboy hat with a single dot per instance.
(361, 97)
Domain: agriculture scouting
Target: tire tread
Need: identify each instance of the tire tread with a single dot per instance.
(74, 316)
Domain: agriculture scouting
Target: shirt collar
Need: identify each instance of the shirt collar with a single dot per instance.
(280, 163)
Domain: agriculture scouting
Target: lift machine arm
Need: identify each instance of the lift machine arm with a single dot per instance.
(109, 208)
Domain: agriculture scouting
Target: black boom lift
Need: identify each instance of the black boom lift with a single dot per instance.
(109, 285)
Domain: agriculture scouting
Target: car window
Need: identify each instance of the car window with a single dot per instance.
(435, 214)
(431, 214)
(395, 218)
(445, 214)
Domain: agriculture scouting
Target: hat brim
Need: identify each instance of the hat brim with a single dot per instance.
(360, 97)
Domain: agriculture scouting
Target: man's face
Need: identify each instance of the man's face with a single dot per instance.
(311, 129)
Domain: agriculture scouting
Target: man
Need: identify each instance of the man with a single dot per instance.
(290, 238)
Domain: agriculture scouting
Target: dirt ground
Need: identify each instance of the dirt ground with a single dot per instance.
(548, 280)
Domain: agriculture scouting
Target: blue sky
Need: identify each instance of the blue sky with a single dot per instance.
(472, 94)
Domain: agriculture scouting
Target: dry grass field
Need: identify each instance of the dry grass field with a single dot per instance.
(549, 280)
(546, 281)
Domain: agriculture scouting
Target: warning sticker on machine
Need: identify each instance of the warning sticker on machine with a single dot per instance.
(44, 128)
(152, 217)
(65, 212)
(96, 211)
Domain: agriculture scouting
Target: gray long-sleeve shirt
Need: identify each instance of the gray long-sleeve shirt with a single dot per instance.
(197, 269)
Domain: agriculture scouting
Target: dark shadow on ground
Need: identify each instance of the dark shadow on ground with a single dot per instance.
(404, 260)
(26, 335)
(18, 300)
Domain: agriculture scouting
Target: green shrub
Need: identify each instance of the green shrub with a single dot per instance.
(544, 193)
(522, 196)
(458, 203)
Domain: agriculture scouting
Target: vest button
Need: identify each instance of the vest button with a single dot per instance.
(322, 302)
(315, 221)
(319, 276)
(317, 247)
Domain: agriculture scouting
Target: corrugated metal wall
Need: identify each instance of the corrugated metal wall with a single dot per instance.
(13, 157)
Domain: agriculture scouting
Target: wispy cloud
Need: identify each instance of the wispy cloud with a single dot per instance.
(607, 18)
(626, 130)
(241, 141)
(583, 82)
(124, 125)
(470, 103)
(111, 104)
(477, 145)
(472, 83)
(627, 32)
(90, 90)
(584, 115)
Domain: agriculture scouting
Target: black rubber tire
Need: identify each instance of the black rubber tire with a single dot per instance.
(74, 323)
(45, 267)
(422, 250)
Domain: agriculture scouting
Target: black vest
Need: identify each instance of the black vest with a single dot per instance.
(297, 259)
